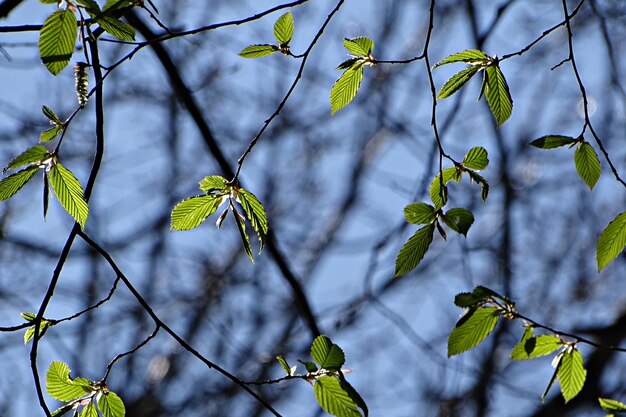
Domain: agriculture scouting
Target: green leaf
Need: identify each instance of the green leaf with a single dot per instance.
(414, 250)
(587, 164)
(283, 362)
(610, 243)
(345, 88)
(255, 213)
(484, 192)
(61, 387)
(349, 389)
(49, 1)
(191, 212)
(556, 366)
(466, 300)
(419, 213)
(215, 184)
(90, 410)
(49, 134)
(283, 29)
(57, 40)
(459, 219)
(470, 331)
(30, 156)
(498, 95)
(552, 141)
(112, 5)
(111, 405)
(476, 158)
(612, 405)
(12, 184)
(309, 366)
(30, 332)
(258, 51)
(117, 28)
(534, 347)
(47, 111)
(91, 6)
(333, 398)
(571, 374)
(245, 240)
(327, 354)
(361, 46)
(348, 63)
(62, 410)
(457, 81)
(439, 196)
(470, 56)
(69, 193)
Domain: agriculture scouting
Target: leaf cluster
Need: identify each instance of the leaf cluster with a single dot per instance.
(347, 86)
(283, 33)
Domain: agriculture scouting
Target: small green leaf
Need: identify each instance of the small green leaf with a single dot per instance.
(49, 134)
(13, 183)
(610, 243)
(476, 158)
(459, 219)
(47, 111)
(283, 362)
(470, 56)
(255, 213)
(91, 6)
(361, 46)
(327, 354)
(484, 192)
(587, 164)
(69, 193)
(61, 387)
(90, 410)
(49, 1)
(117, 28)
(439, 195)
(419, 213)
(283, 29)
(612, 405)
(466, 300)
(457, 81)
(349, 389)
(414, 250)
(552, 141)
(191, 212)
(214, 184)
(534, 347)
(57, 40)
(498, 95)
(112, 5)
(349, 63)
(258, 51)
(30, 156)
(571, 374)
(470, 331)
(245, 240)
(345, 88)
(333, 398)
(30, 332)
(111, 405)
(556, 363)
(309, 366)
(62, 410)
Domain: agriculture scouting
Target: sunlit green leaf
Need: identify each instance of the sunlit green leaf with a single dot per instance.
(571, 374)
(283, 29)
(345, 88)
(111, 405)
(327, 354)
(470, 56)
(117, 28)
(30, 332)
(470, 331)
(356, 397)
(62, 410)
(610, 243)
(361, 46)
(309, 366)
(283, 362)
(12, 184)
(191, 212)
(69, 193)
(534, 347)
(459, 219)
(349, 63)
(612, 405)
(255, 212)
(419, 213)
(30, 156)
(214, 184)
(414, 250)
(476, 158)
(439, 195)
(498, 95)
(89, 410)
(112, 5)
(457, 81)
(57, 40)
(258, 51)
(552, 141)
(91, 6)
(61, 387)
(49, 134)
(587, 164)
(51, 115)
(333, 398)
